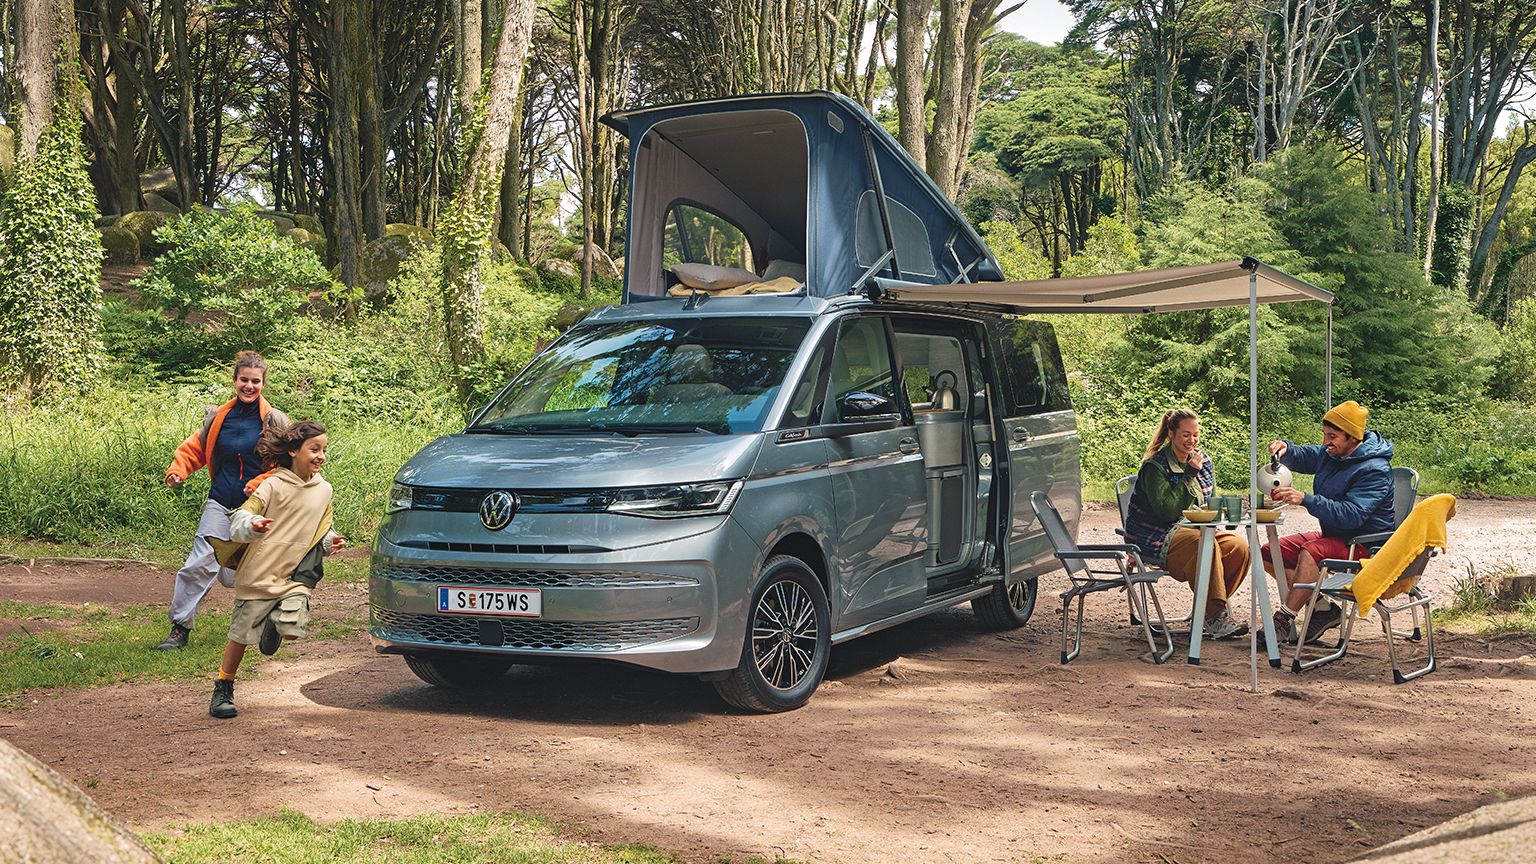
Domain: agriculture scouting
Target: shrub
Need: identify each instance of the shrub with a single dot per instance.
(232, 280)
(50, 267)
(1515, 376)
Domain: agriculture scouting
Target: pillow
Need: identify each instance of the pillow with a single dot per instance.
(780, 267)
(708, 277)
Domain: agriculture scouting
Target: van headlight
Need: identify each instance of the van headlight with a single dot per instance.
(400, 498)
(690, 499)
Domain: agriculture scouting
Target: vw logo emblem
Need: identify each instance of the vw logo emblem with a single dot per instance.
(497, 509)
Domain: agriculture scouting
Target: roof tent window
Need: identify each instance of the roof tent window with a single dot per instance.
(907, 232)
(727, 188)
(696, 235)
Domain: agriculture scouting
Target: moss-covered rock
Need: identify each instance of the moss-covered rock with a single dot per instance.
(309, 240)
(121, 245)
(308, 223)
(560, 268)
(404, 229)
(381, 259)
(283, 222)
(602, 265)
(107, 219)
(160, 204)
(161, 181)
(142, 223)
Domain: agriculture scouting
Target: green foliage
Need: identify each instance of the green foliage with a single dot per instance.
(1018, 260)
(233, 281)
(1395, 336)
(1111, 248)
(1453, 238)
(987, 193)
(1515, 377)
(483, 838)
(50, 266)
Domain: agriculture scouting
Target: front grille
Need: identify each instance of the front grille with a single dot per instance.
(453, 500)
(528, 635)
(447, 575)
(503, 548)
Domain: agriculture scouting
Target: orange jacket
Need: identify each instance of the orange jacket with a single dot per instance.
(197, 451)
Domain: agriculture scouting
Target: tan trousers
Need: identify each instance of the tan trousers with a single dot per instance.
(1227, 570)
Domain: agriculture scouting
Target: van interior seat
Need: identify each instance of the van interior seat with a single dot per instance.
(690, 377)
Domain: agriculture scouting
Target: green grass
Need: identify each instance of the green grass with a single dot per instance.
(1476, 611)
(57, 645)
(477, 839)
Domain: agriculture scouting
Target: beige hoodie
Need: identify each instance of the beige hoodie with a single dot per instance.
(300, 511)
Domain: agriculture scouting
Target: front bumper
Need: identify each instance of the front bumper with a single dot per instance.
(678, 605)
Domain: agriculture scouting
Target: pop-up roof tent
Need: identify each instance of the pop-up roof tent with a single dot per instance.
(807, 178)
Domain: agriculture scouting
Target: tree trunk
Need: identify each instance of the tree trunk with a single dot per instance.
(510, 216)
(911, 55)
(343, 22)
(50, 821)
(40, 34)
(1434, 137)
(468, 42)
(370, 118)
(471, 217)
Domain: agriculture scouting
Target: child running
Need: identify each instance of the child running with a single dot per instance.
(277, 539)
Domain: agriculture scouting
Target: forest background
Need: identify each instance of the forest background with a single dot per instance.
(397, 201)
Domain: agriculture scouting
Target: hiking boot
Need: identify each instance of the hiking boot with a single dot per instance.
(270, 638)
(222, 705)
(1221, 626)
(177, 639)
(1285, 628)
(1323, 620)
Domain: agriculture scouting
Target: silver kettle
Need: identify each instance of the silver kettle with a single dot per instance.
(1273, 476)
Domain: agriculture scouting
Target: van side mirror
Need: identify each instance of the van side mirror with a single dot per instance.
(860, 406)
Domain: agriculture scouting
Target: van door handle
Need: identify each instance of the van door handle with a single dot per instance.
(907, 445)
(1020, 434)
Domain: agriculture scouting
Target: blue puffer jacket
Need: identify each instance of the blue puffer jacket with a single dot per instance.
(1350, 496)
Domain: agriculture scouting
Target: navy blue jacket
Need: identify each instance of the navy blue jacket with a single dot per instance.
(1350, 496)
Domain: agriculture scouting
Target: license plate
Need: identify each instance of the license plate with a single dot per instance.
(516, 602)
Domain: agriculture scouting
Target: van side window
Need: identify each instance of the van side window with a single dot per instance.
(861, 373)
(803, 409)
(933, 370)
(1031, 365)
(913, 250)
(694, 235)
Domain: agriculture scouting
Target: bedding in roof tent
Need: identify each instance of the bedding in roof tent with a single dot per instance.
(760, 188)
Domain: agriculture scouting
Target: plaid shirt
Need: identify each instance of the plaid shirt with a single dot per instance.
(1165, 487)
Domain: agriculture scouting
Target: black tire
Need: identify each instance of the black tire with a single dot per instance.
(1007, 607)
(458, 671)
(788, 640)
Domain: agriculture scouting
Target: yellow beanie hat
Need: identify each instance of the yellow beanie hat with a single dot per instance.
(1349, 417)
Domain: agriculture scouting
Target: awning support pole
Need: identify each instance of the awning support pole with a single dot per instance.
(1328, 372)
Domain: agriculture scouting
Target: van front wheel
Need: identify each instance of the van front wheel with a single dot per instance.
(788, 640)
(1007, 607)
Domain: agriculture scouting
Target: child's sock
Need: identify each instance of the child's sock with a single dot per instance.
(226, 676)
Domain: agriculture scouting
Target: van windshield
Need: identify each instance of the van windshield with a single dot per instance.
(717, 375)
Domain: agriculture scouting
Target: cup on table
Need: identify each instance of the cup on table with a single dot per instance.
(1231, 508)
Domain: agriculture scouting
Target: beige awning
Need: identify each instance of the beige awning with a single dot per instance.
(1202, 286)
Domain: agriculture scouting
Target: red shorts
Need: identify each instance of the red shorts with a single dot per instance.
(1314, 542)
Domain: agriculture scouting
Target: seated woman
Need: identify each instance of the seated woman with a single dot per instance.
(1176, 475)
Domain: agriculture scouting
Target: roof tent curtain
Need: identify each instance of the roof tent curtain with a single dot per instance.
(665, 175)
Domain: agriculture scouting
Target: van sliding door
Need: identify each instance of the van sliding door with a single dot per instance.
(1041, 435)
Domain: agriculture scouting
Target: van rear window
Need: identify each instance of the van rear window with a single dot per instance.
(1031, 363)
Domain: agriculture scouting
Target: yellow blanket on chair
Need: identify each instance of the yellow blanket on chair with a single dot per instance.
(1424, 527)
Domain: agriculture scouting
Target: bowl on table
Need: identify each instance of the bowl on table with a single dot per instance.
(1197, 514)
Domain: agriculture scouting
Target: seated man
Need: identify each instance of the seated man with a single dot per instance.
(1351, 495)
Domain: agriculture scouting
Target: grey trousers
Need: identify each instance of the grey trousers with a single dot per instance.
(196, 576)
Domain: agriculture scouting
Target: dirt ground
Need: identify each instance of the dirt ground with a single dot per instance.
(935, 741)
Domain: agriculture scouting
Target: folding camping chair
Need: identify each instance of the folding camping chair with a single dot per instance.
(1114, 570)
(1405, 493)
(1335, 579)
(1123, 489)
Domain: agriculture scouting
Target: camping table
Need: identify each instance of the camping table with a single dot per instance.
(1256, 580)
